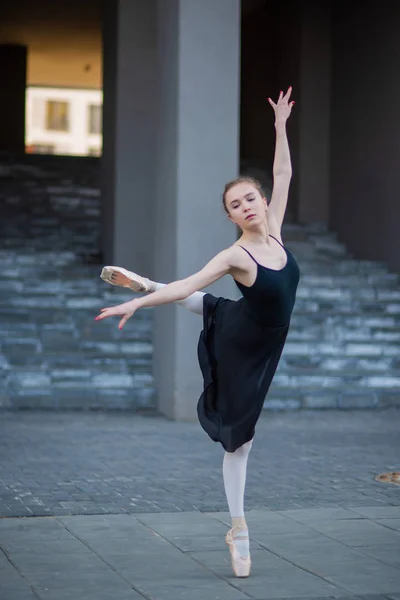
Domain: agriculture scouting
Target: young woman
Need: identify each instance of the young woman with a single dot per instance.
(241, 341)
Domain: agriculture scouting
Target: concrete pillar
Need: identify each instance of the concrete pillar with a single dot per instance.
(198, 141)
(12, 98)
(314, 112)
(127, 164)
(365, 211)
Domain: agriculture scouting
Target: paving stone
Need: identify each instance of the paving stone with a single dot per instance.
(271, 576)
(190, 586)
(356, 532)
(96, 593)
(159, 569)
(345, 567)
(12, 585)
(321, 514)
(175, 467)
(390, 523)
(378, 512)
(352, 597)
(388, 554)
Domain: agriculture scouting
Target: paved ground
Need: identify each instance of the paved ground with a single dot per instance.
(123, 507)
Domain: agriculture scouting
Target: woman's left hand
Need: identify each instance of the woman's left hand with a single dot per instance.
(283, 107)
(126, 310)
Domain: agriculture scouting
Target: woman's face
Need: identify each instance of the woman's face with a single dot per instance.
(246, 206)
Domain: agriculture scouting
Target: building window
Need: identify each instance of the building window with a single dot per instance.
(95, 117)
(94, 151)
(57, 115)
(40, 149)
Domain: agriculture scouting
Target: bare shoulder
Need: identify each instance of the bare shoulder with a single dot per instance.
(273, 226)
(238, 258)
(228, 258)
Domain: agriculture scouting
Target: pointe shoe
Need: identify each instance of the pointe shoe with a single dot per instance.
(133, 281)
(241, 565)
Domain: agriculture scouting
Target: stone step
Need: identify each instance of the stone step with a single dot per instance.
(356, 350)
(364, 281)
(78, 397)
(309, 228)
(346, 273)
(77, 297)
(332, 399)
(305, 365)
(306, 320)
(322, 265)
(320, 380)
(350, 307)
(311, 248)
(343, 341)
(321, 333)
(342, 294)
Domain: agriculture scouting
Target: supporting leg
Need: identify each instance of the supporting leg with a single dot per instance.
(234, 473)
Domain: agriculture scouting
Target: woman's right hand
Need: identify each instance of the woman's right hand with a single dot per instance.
(125, 310)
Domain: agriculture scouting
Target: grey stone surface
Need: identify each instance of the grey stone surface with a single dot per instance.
(387, 553)
(131, 556)
(271, 575)
(343, 348)
(99, 463)
(345, 567)
(358, 532)
(378, 512)
(49, 295)
(12, 585)
(128, 507)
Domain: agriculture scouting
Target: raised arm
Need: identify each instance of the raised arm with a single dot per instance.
(216, 268)
(282, 168)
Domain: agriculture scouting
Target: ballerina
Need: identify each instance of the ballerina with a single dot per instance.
(242, 340)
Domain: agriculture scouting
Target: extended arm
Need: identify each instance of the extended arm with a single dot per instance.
(216, 268)
(282, 168)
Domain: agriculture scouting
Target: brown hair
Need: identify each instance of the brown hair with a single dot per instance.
(242, 179)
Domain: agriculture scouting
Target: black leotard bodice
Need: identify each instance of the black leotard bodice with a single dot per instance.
(272, 296)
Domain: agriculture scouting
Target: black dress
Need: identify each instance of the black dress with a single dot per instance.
(239, 350)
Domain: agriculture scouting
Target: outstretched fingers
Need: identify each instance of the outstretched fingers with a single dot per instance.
(282, 98)
(115, 311)
(288, 93)
(124, 320)
(104, 313)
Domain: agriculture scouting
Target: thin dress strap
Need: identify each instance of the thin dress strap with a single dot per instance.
(277, 241)
(251, 256)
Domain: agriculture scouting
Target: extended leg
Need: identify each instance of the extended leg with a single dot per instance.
(194, 302)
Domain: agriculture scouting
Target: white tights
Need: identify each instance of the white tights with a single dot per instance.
(234, 467)
(194, 302)
(234, 470)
